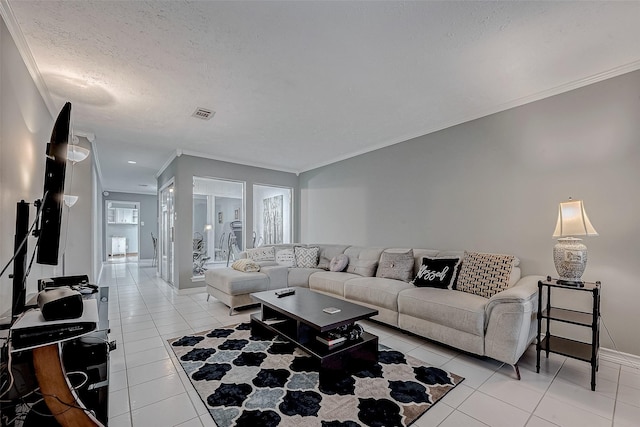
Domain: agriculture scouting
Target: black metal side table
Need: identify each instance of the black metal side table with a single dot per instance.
(587, 352)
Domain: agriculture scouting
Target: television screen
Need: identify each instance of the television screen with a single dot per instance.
(53, 196)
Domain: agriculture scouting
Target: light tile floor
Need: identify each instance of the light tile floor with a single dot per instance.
(148, 387)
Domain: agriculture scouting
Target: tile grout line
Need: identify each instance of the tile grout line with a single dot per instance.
(615, 402)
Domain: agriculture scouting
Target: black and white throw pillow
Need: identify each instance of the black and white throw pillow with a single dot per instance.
(438, 272)
(485, 274)
(306, 257)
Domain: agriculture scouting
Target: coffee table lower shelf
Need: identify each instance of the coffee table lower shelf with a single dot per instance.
(336, 361)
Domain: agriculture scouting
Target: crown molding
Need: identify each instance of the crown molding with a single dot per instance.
(23, 48)
(152, 192)
(166, 164)
(237, 161)
(90, 136)
(576, 84)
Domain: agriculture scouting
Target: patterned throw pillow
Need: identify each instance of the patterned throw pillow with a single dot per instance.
(396, 265)
(286, 257)
(438, 272)
(485, 274)
(265, 253)
(306, 257)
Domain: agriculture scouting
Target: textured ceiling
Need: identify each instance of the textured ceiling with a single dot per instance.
(296, 85)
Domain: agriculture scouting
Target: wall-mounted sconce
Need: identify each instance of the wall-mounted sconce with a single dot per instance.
(70, 200)
(75, 153)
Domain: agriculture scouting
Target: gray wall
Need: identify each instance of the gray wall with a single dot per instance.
(494, 184)
(25, 128)
(183, 169)
(97, 206)
(148, 214)
(77, 220)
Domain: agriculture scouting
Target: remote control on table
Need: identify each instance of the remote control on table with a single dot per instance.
(284, 292)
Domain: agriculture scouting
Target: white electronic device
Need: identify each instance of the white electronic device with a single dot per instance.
(32, 330)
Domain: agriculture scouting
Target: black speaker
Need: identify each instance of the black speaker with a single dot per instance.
(60, 303)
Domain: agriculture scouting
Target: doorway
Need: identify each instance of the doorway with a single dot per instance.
(167, 233)
(122, 231)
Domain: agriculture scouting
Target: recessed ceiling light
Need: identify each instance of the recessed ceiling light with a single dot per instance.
(131, 162)
(143, 185)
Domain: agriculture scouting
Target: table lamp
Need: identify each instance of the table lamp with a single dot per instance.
(570, 254)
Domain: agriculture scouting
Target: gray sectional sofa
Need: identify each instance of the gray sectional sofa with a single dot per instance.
(500, 327)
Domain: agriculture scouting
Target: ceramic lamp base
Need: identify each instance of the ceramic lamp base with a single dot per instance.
(570, 258)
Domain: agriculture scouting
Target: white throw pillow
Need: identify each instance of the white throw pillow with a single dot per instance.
(265, 253)
(286, 257)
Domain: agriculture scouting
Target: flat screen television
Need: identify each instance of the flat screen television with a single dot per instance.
(53, 195)
(49, 217)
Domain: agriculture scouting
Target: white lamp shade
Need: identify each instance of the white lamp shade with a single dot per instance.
(573, 220)
(76, 154)
(70, 200)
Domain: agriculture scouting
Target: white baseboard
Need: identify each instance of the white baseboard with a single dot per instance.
(189, 291)
(614, 356)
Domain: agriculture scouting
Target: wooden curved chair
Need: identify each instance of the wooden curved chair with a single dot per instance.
(58, 394)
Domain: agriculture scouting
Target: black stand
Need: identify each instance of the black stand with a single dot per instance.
(20, 260)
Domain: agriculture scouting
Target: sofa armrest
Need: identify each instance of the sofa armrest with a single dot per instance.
(511, 320)
(523, 291)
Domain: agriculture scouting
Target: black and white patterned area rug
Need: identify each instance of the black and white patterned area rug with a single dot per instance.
(246, 381)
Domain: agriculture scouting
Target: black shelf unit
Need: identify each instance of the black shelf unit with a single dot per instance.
(334, 361)
(587, 352)
(88, 353)
(304, 337)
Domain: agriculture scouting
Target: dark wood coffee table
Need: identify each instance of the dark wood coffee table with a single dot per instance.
(299, 318)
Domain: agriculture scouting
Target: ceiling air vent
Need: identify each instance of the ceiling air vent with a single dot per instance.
(203, 113)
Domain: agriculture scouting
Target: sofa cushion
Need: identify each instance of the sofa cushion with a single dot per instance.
(363, 260)
(396, 264)
(306, 257)
(264, 253)
(438, 272)
(234, 282)
(300, 276)
(327, 253)
(362, 267)
(339, 263)
(485, 274)
(330, 282)
(457, 310)
(286, 257)
(278, 276)
(376, 291)
(246, 265)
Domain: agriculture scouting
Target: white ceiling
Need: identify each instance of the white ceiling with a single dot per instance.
(296, 85)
